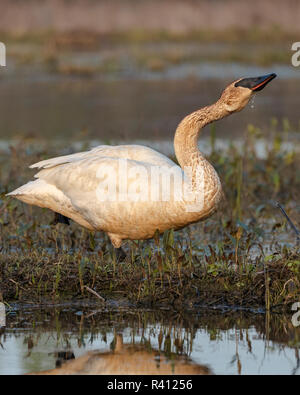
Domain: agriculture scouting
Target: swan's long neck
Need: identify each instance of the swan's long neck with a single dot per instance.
(205, 184)
(187, 133)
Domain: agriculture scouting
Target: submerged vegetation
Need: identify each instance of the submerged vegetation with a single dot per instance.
(245, 255)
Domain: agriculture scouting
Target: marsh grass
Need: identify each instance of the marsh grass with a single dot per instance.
(83, 39)
(138, 50)
(245, 255)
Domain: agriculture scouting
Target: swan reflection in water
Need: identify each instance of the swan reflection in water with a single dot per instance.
(128, 359)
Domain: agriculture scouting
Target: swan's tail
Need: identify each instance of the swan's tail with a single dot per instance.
(37, 192)
(40, 193)
(24, 189)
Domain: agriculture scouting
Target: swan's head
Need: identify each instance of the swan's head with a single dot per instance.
(237, 95)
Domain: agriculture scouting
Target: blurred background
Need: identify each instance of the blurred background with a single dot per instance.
(129, 70)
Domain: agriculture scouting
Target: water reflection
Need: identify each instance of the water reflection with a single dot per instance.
(126, 359)
(2, 315)
(113, 342)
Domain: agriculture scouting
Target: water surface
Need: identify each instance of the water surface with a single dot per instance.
(83, 338)
(128, 110)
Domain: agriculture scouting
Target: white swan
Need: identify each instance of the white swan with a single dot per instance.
(124, 190)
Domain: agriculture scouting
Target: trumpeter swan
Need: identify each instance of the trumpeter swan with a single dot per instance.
(131, 191)
(128, 359)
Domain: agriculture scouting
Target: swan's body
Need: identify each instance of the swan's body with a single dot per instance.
(69, 185)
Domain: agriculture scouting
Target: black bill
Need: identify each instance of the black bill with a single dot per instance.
(257, 83)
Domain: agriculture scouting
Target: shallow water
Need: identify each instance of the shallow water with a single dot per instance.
(116, 340)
